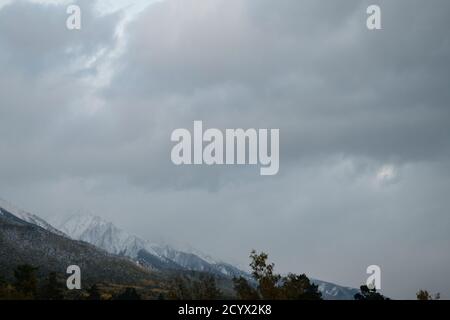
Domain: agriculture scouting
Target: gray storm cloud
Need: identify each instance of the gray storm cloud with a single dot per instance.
(364, 119)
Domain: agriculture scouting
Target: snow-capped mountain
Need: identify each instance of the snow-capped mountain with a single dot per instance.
(27, 239)
(27, 217)
(106, 235)
(102, 234)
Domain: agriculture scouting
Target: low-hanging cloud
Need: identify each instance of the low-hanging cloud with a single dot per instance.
(83, 124)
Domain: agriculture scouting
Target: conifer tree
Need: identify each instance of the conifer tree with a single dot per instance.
(244, 290)
(53, 289)
(299, 287)
(26, 281)
(369, 294)
(206, 289)
(179, 289)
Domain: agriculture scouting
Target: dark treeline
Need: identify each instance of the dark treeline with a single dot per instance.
(26, 286)
(263, 284)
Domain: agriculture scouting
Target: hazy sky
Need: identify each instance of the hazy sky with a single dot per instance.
(364, 119)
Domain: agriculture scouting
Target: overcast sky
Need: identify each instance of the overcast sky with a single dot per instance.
(364, 119)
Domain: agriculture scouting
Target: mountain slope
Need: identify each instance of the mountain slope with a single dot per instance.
(107, 236)
(22, 242)
(26, 238)
(331, 291)
(28, 217)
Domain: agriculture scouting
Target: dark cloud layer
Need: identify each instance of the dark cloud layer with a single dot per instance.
(86, 117)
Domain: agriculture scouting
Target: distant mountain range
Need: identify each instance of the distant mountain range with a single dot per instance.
(105, 235)
(105, 250)
(27, 239)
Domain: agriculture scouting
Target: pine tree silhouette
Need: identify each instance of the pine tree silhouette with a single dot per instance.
(369, 294)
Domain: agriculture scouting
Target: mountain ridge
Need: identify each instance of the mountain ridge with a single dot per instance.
(100, 237)
(104, 234)
(195, 260)
(23, 242)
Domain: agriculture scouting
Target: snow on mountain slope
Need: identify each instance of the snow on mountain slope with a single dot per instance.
(107, 236)
(104, 234)
(23, 242)
(331, 291)
(28, 217)
(204, 256)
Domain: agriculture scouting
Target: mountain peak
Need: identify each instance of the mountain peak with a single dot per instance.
(106, 235)
(103, 234)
